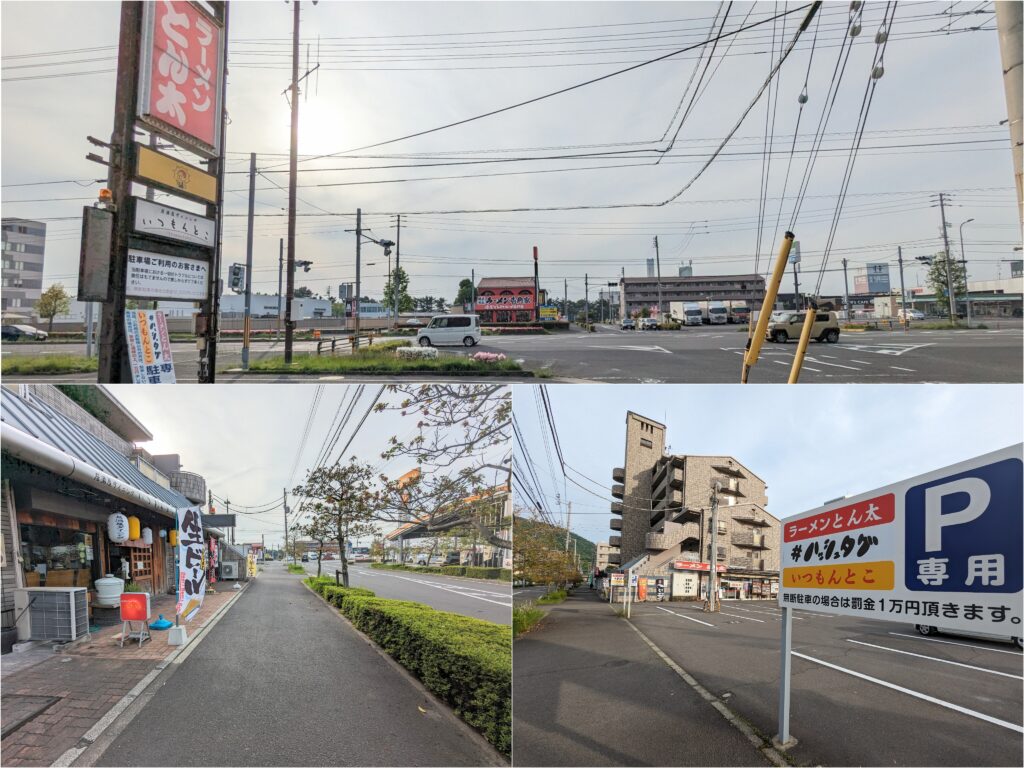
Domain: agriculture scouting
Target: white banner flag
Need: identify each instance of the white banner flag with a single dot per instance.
(191, 559)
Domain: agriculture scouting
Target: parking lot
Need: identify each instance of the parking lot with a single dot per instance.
(863, 692)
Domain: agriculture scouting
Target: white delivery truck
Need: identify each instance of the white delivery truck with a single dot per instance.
(739, 312)
(686, 312)
(713, 312)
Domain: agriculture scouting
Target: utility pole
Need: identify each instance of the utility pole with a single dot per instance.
(657, 258)
(568, 524)
(796, 285)
(227, 511)
(713, 571)
(398, 256)
(472, 293)
(1008, 22)
(285, 499)
(289, 326)
(359, 251)
(949, 260)
(903, 291)
(586, 298)
(536, 287)
(565, 301)
(247, 318)
(113, 349)
(280, 273)
(846, 293)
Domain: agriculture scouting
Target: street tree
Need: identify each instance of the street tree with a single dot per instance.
(463, 457)
(465, 294)
(440, 304)
(342, 498)
(399, 281)
(539, 555)
(318, 529)
(937, 280)
(302, 292)
(54, 301)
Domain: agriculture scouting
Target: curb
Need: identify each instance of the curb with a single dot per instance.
(90, 737)
(444, 576)
(499, 758)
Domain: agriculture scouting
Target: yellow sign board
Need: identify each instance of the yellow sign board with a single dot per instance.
(864, 576)
(174, 175)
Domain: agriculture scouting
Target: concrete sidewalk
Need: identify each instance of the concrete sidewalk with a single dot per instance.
(588, 691)
(80, 686)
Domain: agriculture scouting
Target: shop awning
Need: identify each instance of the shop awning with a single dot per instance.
(37, 433)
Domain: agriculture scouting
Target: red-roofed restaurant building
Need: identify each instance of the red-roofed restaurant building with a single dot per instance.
(507, 300)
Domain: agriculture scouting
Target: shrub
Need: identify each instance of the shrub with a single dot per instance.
(296, 568)
(477, 572)
(465, 662)
(453, 570)
(337, 596)
(488, 357)
(555, 596)
(525, 617)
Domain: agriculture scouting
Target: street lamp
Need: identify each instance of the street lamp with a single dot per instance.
(963, 260)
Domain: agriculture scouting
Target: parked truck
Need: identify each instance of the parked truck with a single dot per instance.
(713, 312)
(686, 312)
(739, 312)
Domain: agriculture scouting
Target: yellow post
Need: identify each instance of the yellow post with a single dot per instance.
(771, 292)
(801, 348)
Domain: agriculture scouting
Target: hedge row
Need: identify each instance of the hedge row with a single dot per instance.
(465, 662)
(469, 571)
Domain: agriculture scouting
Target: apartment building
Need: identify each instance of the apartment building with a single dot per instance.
(663, 519)
(24, 244)
(635, 293)
(604, 551)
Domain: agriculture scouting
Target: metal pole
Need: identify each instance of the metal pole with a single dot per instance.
(536, 287)
(112, 348)
(359, 251)
(247, 318)
(568, 522)
(963, 260)
(796, 287)
(565, 301)
(289, 327)
(1008, 22)
(398, 253)
(629, 594)
(713, 570)
(472, 293)
(846, 294)
(280, 273)
(949, 261)
(786, 646)
(285, 495)
(657, 257)
(903, 292)
(88, 329)
(586, 298)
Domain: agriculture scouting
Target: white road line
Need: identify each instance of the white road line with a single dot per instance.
(748, 618)
(935, 658)
(688, 618)
(862, 362)
(834, 365)
(832, 357)
(779, 362)
(896, 367)
(767, 613)
(447, 589)
(953, 642)
(916, 694)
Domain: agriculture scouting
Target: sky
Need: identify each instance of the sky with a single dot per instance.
(248, 443)
(388, 70)
(809, 444)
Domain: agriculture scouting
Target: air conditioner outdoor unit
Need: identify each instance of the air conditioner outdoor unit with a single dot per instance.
(228, 570)
(51, 613)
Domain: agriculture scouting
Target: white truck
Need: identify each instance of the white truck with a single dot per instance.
(713, 312)
(686, 312)
(739, 312)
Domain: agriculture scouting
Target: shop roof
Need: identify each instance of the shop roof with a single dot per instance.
(36, 418)
(505, 282)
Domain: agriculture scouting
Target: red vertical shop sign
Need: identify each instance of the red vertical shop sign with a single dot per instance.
(181, 83)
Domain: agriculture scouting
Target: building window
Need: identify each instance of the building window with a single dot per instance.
(646, 443)
(57, 557)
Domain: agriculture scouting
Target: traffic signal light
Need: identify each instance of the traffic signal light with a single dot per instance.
(237, 278)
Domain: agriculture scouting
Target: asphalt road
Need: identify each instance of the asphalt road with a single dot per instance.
(589, 692)
(478, 598)
(838, 718)
(714, 355)
(283, 680)
(522, 595)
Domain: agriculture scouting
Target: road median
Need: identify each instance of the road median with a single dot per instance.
(461, 571)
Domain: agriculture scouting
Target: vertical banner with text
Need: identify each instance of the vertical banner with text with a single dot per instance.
(191, 562)
(149, 347)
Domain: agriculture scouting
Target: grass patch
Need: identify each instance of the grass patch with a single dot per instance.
(553, 598)
(525, 617)
(48, 364)
(380, 359)
(296, 568)
(467, 571)
(465, 662)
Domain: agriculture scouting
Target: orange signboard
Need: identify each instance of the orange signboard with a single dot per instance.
(877, 575)
(641, 590)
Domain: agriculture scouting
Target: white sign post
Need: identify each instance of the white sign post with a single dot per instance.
(942, 550)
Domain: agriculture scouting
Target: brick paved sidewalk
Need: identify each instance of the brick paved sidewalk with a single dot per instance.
(87, 680)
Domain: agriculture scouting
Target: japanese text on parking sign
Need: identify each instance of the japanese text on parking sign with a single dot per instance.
(863, 514)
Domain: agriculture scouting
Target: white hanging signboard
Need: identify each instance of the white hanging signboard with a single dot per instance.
(174, 223)
(942, 549)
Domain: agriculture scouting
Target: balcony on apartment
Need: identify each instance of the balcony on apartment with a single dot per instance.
(661, 468)
(614, 558)
(616, 507)
(749, 539)
(618, 491)
(746, 563)
(614, 542)
(751, 514)
(671, 534)
(619, 475)
(616, 524)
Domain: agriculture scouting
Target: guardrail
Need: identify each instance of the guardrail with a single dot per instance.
(353, 342)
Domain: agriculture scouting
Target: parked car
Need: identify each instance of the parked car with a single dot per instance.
(453, 558)
(330, 556)
(628, 324)
(414, 322)
(789, 325)
(450, 329)
(648, 323)
(15, 332)
(910, 314)
(314, 556)
(929, 631)
(305, 558)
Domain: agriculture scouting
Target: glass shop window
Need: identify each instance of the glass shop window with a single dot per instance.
(58, 557)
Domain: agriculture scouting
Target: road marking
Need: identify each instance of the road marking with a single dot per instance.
(808, 368)
(935, 658)
(748, 618)
(767, 613)
(833, 357)
(453, 591)
(780, 362)
(862, 362)
(953, 642)
(688, 618)
(634, 348)
(896, 367)
(834, 365)
(916, 694)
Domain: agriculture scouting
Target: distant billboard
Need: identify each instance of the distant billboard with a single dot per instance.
(874, 278)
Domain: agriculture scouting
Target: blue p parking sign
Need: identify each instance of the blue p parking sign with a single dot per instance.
(963, 532)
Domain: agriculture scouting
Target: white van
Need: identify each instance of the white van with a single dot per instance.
(450, 329)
